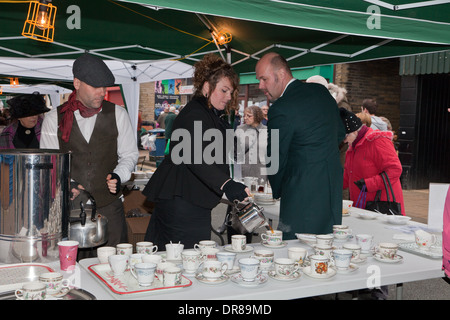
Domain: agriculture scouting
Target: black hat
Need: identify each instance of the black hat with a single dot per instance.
(350, 120)
(93, 71)
(27, 105)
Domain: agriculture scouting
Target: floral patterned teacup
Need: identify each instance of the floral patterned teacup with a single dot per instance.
(54, 282)
(319, 264)
(285, 267)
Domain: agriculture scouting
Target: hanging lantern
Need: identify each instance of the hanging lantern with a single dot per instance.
(14, 82)
(222, 37)
(40, 23)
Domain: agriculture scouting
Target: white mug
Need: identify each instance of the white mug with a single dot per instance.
(297, 254)
(173, 251)
(191, 260)
(424, 239)
(54, 282)
(213, 269)
(124, 249)
(272, 238)
(32, 291)
(249, 268)
(146, 247)
(285, 267)
(144, 273)
(238, 242)
(118, 264)
(104, 252)
(172, 276)
(319, 264)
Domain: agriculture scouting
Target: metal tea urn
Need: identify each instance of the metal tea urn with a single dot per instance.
(34, 204)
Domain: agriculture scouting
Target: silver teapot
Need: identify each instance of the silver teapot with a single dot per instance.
(88, 227)
(245, 217)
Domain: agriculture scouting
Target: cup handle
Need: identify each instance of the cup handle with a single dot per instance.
(19, 294)
(154, 249)
(132, 272)
(197, 247)
(433, 239)
(65, 283)
(264, 236)
(224, 267)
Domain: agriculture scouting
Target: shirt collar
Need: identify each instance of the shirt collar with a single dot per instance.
(292, 80)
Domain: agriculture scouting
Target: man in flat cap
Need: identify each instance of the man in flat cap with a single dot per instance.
(100, 136)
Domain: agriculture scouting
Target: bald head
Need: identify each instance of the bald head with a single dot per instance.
(273, 74)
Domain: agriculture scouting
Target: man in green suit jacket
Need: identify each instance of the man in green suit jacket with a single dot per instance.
(309, 177)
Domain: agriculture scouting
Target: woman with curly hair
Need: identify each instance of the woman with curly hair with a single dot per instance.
(192, 178)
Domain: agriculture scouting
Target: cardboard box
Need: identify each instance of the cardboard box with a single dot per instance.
(137, 227)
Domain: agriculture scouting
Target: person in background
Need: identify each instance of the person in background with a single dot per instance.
(309, 178)
(162, 117)
(252, 137)
(265, 111)
(370, 106)
(168, 122)
(101, 140)
(187, 185)
(25, 128)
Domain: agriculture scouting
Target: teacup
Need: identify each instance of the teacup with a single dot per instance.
(104, 252)
(210, 253)
(173, 251)
(191, 260)
(387, 250)
(285, 267)
(118, 264)
(319, 264)
(226, 257)
(160, 267)
(146, 247)
(54, 282)
(172, 276)
(249, 268)
(124, 249)
(297, 254)
(213, 269)
(265, 258)
(151, 258)
(342, 258)
(144, 273)
(135, 258)
(323, 250)
(424, 239)
(32, 291)
(355, 249)
(341, 232)
(272, 238)
(346, 204)
(324, 239)
(204, 244)
(238, 242)
(365, 241)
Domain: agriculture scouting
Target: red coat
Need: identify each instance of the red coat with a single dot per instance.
(373, 154)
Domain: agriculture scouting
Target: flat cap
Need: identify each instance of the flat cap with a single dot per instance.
(93, 71)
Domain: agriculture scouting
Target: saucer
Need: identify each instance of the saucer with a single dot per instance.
(361, 259)
(61, 293)
(281, 245)
(234, 270)
(352, 268)
(200, 277)
(259, 280)
(293, 276)
(331, 272)
(230, 249)
(381, 258)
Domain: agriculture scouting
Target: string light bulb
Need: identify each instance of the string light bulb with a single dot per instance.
(40, 21)
(222, 37)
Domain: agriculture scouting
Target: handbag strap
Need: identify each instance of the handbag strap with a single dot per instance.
(385, 177)
(360, 202)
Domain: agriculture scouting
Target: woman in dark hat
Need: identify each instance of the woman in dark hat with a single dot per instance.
(25, 129)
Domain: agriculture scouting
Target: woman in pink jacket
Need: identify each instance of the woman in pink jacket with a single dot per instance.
(371, 152)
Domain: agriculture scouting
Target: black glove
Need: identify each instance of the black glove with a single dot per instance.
(235, 190)
(360, 183)
(116, 176)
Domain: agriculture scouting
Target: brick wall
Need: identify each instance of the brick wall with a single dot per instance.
(378, 79)
(147, 100)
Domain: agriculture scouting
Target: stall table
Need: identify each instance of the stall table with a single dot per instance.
(413, 267)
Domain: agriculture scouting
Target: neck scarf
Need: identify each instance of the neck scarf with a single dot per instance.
(68, 109)
(361, 134)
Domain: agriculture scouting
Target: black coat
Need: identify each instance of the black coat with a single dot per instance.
(193, 179)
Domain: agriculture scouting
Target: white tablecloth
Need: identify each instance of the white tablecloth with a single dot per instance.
(412, 268)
